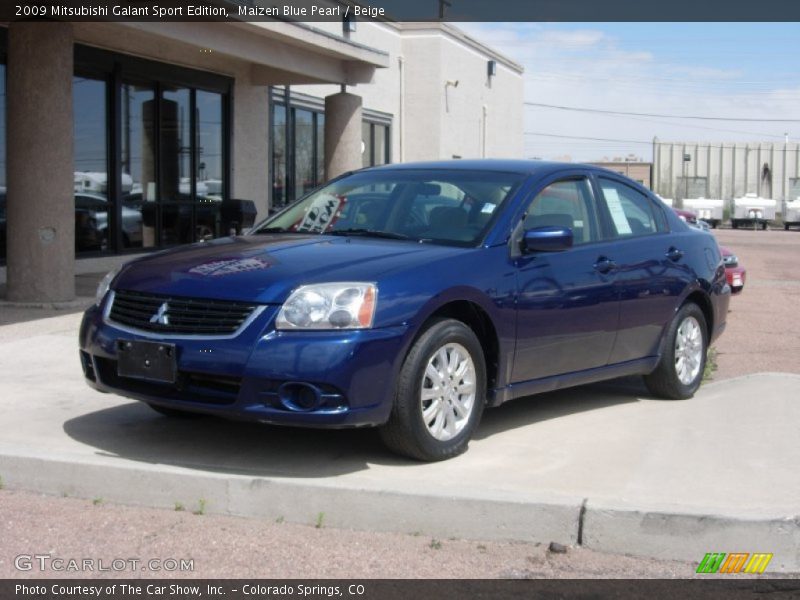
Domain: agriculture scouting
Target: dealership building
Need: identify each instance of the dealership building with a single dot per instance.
(126, 137)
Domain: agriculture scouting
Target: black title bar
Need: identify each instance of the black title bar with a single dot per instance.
(404, 10)
(731, 588)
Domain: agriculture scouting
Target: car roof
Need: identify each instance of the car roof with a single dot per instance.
(523, 167)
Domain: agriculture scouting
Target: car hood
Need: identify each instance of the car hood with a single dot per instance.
(266, 268)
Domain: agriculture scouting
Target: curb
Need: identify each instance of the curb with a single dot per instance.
(479, 516)
(674, 533)
(662, 532)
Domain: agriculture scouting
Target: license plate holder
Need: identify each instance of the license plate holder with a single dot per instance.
(151, 361)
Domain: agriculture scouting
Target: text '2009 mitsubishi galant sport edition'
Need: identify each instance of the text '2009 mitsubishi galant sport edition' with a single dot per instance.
(411, 297)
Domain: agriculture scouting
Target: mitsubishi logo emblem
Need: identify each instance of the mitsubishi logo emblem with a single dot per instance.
(161, 317)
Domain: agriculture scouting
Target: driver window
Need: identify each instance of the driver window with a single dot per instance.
(564, 204)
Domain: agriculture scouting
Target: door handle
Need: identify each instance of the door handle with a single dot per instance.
(674, 254)
(604, 264)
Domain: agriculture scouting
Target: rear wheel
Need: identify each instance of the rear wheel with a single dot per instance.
(441, 393)
(683, 360)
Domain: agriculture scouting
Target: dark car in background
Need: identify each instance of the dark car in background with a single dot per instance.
(410, 297)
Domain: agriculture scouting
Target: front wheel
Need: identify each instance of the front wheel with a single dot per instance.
(441, 393)
(683, 360)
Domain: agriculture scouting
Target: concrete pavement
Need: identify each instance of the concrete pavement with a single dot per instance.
(604, 466)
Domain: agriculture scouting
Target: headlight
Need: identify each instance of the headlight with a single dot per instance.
(105, 283)
(329, 306)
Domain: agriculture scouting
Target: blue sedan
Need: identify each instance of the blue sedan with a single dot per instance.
(411, 297)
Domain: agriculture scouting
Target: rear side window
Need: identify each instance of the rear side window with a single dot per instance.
(630, 212)
(564, 204)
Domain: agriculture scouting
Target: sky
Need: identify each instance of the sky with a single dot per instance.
(746, 71)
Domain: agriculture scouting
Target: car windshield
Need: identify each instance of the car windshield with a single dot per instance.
(439, 206)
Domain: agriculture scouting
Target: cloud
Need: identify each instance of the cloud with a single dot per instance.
(587, 67)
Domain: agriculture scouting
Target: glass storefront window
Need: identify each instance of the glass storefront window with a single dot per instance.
(298, 146)
(93, 214)
(320, 148)
(366, 148)
(137, 162)
(123, 200)
(175, 159)
(380, 144)
(304, 167)
(375, 138)
(175, 145)
(210, 175)
(279, 155)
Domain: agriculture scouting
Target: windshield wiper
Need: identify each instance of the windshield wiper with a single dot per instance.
(389, 235)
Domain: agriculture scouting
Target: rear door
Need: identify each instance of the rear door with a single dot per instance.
(567, 310)
(649, 265)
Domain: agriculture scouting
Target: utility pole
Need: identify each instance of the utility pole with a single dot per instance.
(686, 158)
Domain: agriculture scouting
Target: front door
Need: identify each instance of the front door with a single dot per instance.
(567, 304)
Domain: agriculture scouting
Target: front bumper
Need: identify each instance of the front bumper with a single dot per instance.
(251, 376)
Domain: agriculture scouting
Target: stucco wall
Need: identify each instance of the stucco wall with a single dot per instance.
(439, 122)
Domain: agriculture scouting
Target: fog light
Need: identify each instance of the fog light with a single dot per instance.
(299, 396)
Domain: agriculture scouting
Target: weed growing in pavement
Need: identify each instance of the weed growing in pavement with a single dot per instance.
(711, 364)
(1, 483)
(481, 548)
(201, 507)
(279, 519)
(179, 507)
(97, 501)
(320, 519)
(435, 544)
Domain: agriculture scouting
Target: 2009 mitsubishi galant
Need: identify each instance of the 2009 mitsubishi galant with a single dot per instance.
(410, 297)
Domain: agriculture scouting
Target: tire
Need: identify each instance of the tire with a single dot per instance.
(426, 424)
(734, 223)
(173, 413)
(672, 379)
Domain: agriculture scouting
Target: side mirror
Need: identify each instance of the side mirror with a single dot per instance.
(547, 239)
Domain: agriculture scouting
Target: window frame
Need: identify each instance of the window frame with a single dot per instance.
(608, 228)
(291, 103)
(595, 220)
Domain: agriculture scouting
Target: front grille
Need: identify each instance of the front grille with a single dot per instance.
(168, 314)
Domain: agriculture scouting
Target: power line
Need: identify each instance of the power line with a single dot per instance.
(637, 114)
(578, 137)
(695, 126)
(651, 142)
